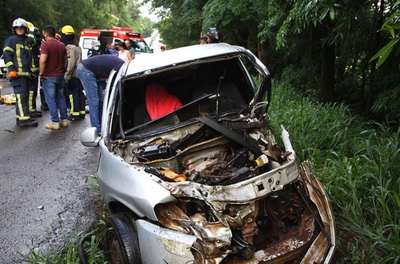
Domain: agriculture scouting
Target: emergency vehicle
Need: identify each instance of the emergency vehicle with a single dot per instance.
(114, 35)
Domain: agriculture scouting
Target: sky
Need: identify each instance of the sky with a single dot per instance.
(145, 11)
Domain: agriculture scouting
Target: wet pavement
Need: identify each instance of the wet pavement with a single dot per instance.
(43, 194)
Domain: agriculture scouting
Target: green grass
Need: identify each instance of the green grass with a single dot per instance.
(358, 163)
(69, 251)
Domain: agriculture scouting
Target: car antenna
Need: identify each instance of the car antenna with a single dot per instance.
(220, 79)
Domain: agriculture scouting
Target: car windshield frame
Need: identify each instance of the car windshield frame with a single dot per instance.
(259, 90)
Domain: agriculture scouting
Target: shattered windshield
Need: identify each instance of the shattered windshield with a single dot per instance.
(181, 94)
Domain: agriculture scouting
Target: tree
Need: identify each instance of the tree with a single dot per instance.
(181, 21)
(81, 14)
(392, 25)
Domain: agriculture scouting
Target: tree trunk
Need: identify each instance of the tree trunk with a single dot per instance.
(327, 93)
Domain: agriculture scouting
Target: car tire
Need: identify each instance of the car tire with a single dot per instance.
(122, 240)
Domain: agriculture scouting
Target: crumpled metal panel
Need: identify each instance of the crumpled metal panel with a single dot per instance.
(162, 245)
(211, 237)
(242, 192)
(323, 248)
(214, 239)
(290, 245)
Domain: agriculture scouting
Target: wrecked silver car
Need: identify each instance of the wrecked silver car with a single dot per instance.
(191, 171)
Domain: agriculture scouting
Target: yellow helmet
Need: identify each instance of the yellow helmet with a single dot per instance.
(67, 30)
(31, 27)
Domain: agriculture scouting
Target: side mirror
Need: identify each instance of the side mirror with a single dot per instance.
(90, 137)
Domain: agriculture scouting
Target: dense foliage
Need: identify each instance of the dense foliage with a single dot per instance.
(79, 14)
(322, 48)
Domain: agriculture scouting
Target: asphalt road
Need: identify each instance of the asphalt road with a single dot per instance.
(43, 194)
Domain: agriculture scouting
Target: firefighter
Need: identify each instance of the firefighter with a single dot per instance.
(213, 36)
(75, 93)
(34, 40)
(18, 57)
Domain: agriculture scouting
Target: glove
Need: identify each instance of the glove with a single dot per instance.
(13, 74)
(30, 40)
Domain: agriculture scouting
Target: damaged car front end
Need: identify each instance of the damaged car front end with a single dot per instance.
(204, 181)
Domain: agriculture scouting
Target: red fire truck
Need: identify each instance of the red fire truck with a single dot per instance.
(113, 35)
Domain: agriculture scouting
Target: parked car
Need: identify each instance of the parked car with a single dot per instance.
(3, 68)
(191, 171)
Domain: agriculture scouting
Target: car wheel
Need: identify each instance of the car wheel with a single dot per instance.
(122, 240)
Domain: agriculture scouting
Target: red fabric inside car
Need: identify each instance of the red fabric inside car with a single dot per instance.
(159, 102)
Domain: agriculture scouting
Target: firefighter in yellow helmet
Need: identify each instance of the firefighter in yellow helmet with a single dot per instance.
(67, 30)
(17, 55)
(75, 93)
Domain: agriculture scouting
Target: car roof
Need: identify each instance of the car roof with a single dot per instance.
(177, 56)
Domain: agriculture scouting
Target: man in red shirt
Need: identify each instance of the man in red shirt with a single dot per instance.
(52, 65)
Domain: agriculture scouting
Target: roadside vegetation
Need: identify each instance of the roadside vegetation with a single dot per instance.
(357, 161)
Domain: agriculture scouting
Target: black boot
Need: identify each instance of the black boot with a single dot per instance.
(44, 105)
(27, 123)
(35, 114)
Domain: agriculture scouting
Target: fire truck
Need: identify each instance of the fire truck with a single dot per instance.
(114, 35)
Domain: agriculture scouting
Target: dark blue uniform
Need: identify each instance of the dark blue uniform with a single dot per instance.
(17, 55)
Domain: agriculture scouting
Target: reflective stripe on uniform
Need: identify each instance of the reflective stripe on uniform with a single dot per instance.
(18, 47)
(22, 116)
(8, 49)
(18, 54)
(72, 111)
(30, 101)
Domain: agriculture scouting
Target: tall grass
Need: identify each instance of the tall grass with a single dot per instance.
(358, 162)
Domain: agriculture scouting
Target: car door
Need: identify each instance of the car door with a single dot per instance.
(109, 91)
